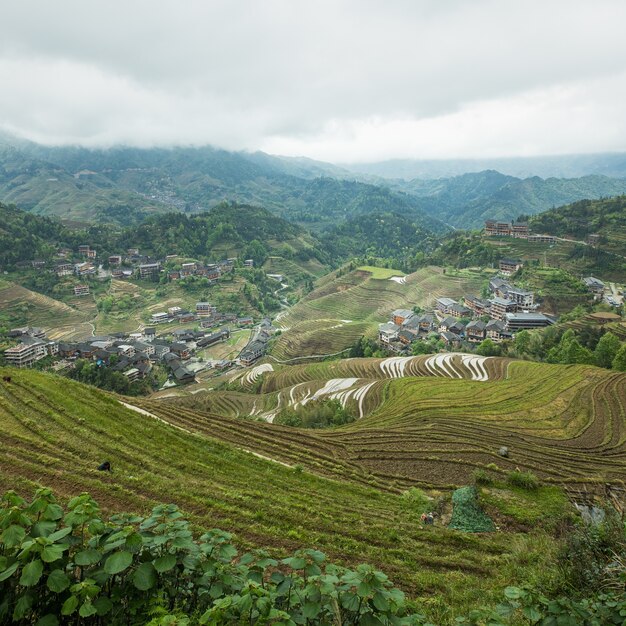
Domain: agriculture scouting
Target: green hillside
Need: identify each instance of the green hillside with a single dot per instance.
(605, 217)
(466, 201)
(345, 307)
(57, 435)
(472, 249)
(124, 185)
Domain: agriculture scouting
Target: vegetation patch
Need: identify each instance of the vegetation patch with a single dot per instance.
(380, 273)
(467, 514)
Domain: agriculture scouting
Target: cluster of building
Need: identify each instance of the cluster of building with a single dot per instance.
(258, 343)
(508, 310)
(32, 347)
(131, 354)
(206, 314)
(601, 292)
(130, 264)
(518, 230)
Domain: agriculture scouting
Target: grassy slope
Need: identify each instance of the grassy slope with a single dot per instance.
(20, 306)
(57, 434)
(333, 316)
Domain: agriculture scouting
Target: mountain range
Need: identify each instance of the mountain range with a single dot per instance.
(126, 185)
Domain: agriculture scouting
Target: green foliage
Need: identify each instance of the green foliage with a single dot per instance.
(482, 477)
(315, 414)
(594, 555)
(56, 565)
(525, 605)
(606, 350)
(606, 217)
(619, 362)
(525, 480)
(569, 351)
(467, 515)
(488, 348)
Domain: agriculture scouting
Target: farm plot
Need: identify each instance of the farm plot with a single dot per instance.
(60, 321)
(431, 421)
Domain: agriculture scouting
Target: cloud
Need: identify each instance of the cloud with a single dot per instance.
(338, 80)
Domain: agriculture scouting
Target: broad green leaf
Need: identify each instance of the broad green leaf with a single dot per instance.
(295, 562)
(48, 620)
(311, 609)
(87, 557)
(59, 534)
(145, 577)
(9, 571)
(118, 562)
(52, 553)
(165, 563)
(31, 573)
(53, 512)
(350, 601)
(380, 601)
(69, 606)
(58, 581)
(364, 590)
(87, 609)
(12, 536)
(23, 606)
(513, 593)
(103, 605)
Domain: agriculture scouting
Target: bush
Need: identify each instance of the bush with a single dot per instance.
(524, 480)
(70, 566)
(482, 477)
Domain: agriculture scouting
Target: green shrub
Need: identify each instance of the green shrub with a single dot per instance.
(61, 567)
(482, 477)
(524, 480)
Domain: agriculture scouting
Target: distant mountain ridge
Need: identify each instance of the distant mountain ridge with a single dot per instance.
(125, 185)
(466, 201)
(612, 164)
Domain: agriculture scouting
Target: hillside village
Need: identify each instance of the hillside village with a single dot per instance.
(135, 354)
(462, 324)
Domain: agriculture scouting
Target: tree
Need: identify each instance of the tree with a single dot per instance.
(488, 348)
(522, 342)
(606, 350)
(619, 362)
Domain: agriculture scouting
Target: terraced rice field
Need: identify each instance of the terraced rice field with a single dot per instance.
(56, 435)
(430, 421)
(322, 322)
(59, 320)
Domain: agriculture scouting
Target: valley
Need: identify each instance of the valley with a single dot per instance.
(334, 371)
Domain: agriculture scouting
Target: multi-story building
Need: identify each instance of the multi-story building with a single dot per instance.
(509, 266)
(476, 331)
(64, 269)
(477, 306)
(149, 270)
(81, 290)
(524, 299)
(500, 307)
(399, 316)
(515, 322)
(205, 309)
(30, 350)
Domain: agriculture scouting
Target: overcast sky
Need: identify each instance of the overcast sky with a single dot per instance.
(353, 80)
